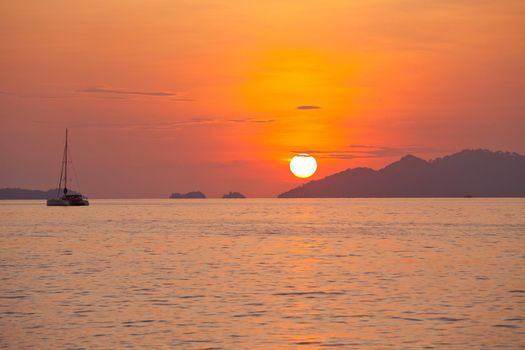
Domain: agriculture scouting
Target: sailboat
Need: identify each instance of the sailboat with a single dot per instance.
(63, 198)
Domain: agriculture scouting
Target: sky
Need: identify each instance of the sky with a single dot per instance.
(217, 96)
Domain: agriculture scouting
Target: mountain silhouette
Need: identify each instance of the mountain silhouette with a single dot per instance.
(22, 193)
(477, 173)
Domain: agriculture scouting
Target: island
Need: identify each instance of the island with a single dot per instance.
(189, 195)
(23, 193)
(469, 173)
(234, 195)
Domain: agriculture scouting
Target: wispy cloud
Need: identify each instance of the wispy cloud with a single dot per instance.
(159, 126)
(103, 93)
(100, 90)
(183, 99)
(367, 151)
(251, 120)
(307, 107)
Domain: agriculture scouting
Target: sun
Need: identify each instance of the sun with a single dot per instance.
(303, 165)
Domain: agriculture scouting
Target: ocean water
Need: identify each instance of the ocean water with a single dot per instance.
(264, 274)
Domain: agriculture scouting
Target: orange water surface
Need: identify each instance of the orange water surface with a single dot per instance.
(264, 274)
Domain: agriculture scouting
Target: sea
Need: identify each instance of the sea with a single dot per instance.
(263, 274)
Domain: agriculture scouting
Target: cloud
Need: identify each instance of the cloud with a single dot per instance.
(99, 90)
(27, 96)
(307, 107)
(110, 94)
(250, 120)
(183, 99)
(362, 146)
(171, 125)
(367, 151)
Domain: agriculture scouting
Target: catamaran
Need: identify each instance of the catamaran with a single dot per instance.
(63, 198)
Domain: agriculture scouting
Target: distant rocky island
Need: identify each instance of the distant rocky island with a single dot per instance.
(234, 195)
(469, 173)
(22, 193)
(189, 195)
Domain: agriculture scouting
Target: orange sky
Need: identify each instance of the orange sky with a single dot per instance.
(173, 96)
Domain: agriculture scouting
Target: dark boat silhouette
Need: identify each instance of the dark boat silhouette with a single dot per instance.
(65, 198)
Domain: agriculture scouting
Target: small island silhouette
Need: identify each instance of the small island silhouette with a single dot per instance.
(22, 193)
(189, 195)
(234, 195)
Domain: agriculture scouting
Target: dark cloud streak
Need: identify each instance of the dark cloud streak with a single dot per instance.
(173, 125)
(100, 90)
(248, 120)
(305, 108)
(367, 151)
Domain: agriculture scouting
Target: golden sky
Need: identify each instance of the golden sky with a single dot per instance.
(165, 96)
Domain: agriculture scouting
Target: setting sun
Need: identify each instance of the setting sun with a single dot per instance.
(303, 165)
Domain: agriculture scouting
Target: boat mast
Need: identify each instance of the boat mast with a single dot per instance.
(65, 167)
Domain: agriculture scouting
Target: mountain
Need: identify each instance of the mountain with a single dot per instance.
(234, 195)
(22, 193)
(189, 195)
(478, 173)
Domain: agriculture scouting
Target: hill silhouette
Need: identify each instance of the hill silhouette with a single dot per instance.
(189, 195)
(477, 173)
(22, 193)
(234, 195)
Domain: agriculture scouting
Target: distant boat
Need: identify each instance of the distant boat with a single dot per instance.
(63, 198)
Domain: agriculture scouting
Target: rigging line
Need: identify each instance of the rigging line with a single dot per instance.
(74, 172)
(65, 168)
(61, 171)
